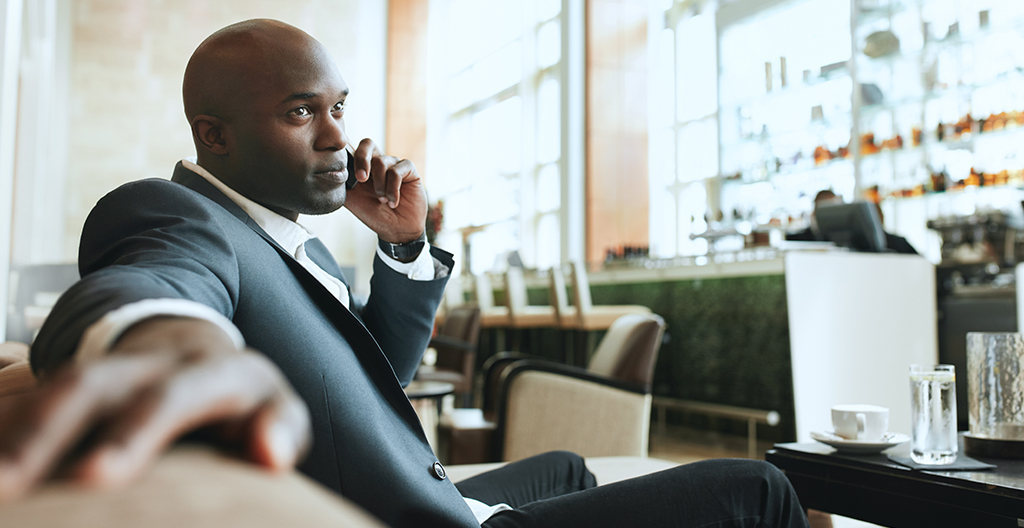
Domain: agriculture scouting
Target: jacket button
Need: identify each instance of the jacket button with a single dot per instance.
(439, 471)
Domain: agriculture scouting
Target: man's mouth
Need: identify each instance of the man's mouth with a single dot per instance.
(336, 173)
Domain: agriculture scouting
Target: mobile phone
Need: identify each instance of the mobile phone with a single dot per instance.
(351, 169)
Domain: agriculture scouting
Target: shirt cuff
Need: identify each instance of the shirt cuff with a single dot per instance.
(421, 269)
(101, 335)
(482, 511)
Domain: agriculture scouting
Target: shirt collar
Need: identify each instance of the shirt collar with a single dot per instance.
(290, 235)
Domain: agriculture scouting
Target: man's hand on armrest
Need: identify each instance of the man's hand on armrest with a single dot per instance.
(106, 421)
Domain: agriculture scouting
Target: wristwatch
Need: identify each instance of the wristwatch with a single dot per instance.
(406, 252)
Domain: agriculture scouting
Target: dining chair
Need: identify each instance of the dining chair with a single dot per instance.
(521, 313)
(491, 316)
(525, 317)
(595, 317)
(456, 344)
(565, 314)
(587, 317)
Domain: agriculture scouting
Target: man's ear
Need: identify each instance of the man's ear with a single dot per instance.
(210, 132)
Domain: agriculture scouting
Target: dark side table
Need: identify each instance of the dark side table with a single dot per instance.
(425, 397)
(874, 489)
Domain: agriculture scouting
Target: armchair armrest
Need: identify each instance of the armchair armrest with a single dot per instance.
(195, 487)
(495, 368)
(492, 371)
(541, 365)
(500, 360)
(12, 352)
(546, 406)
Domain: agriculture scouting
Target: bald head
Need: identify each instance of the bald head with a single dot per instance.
(824, 196)
(266, 104)
(235, 64)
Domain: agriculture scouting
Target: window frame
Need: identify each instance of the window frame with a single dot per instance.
(568, 72)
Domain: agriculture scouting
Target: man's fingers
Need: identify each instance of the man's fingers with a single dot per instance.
(366, 151)
(393, 205)
(52, 419)
(378, 172)
(397, 175)
(223, 388)
(280, 433)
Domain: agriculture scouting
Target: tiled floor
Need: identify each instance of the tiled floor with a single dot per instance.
(687, 445)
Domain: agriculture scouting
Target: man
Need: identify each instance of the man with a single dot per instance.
(894, 243)
(178, 275)
(811, 234)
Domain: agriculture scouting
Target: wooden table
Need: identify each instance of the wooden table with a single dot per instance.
(425, 397)
(874, 489)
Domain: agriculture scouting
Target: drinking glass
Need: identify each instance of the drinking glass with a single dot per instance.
(933, 414)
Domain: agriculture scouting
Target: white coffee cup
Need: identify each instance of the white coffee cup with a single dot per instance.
(865, 423)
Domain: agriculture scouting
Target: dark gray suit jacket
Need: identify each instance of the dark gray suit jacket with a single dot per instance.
(185, 239)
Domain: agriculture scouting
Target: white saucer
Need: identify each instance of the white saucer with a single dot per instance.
(857, 446)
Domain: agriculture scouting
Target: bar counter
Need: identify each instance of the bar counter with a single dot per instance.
(790, 331)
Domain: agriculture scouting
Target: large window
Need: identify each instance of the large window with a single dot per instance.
(496, 132)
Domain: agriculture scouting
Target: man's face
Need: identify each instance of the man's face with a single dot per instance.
(290, 138)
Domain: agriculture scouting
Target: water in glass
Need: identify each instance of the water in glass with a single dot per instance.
(933, 411)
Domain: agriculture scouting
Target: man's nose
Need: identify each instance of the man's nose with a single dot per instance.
(331, 134)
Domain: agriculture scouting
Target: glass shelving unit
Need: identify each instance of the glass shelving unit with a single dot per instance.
(948, 81)
(916, 104)
(786, 112)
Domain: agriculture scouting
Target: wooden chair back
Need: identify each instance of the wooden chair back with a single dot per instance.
(559, 298)
(580, 288)
(515, 291)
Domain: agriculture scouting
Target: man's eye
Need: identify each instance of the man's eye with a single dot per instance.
(338, 107)
(302, 111)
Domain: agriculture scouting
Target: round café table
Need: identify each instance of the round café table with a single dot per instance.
(425, 397)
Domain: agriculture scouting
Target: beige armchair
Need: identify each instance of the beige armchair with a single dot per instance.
(601, 411)
(532, 405)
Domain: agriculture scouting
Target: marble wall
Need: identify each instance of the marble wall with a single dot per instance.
(617, 191)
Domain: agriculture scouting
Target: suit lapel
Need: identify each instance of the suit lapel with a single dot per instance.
(360, 339)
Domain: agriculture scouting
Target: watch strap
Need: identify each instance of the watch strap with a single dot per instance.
(406, 252)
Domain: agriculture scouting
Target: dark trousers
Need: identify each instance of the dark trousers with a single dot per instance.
(555, 489)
